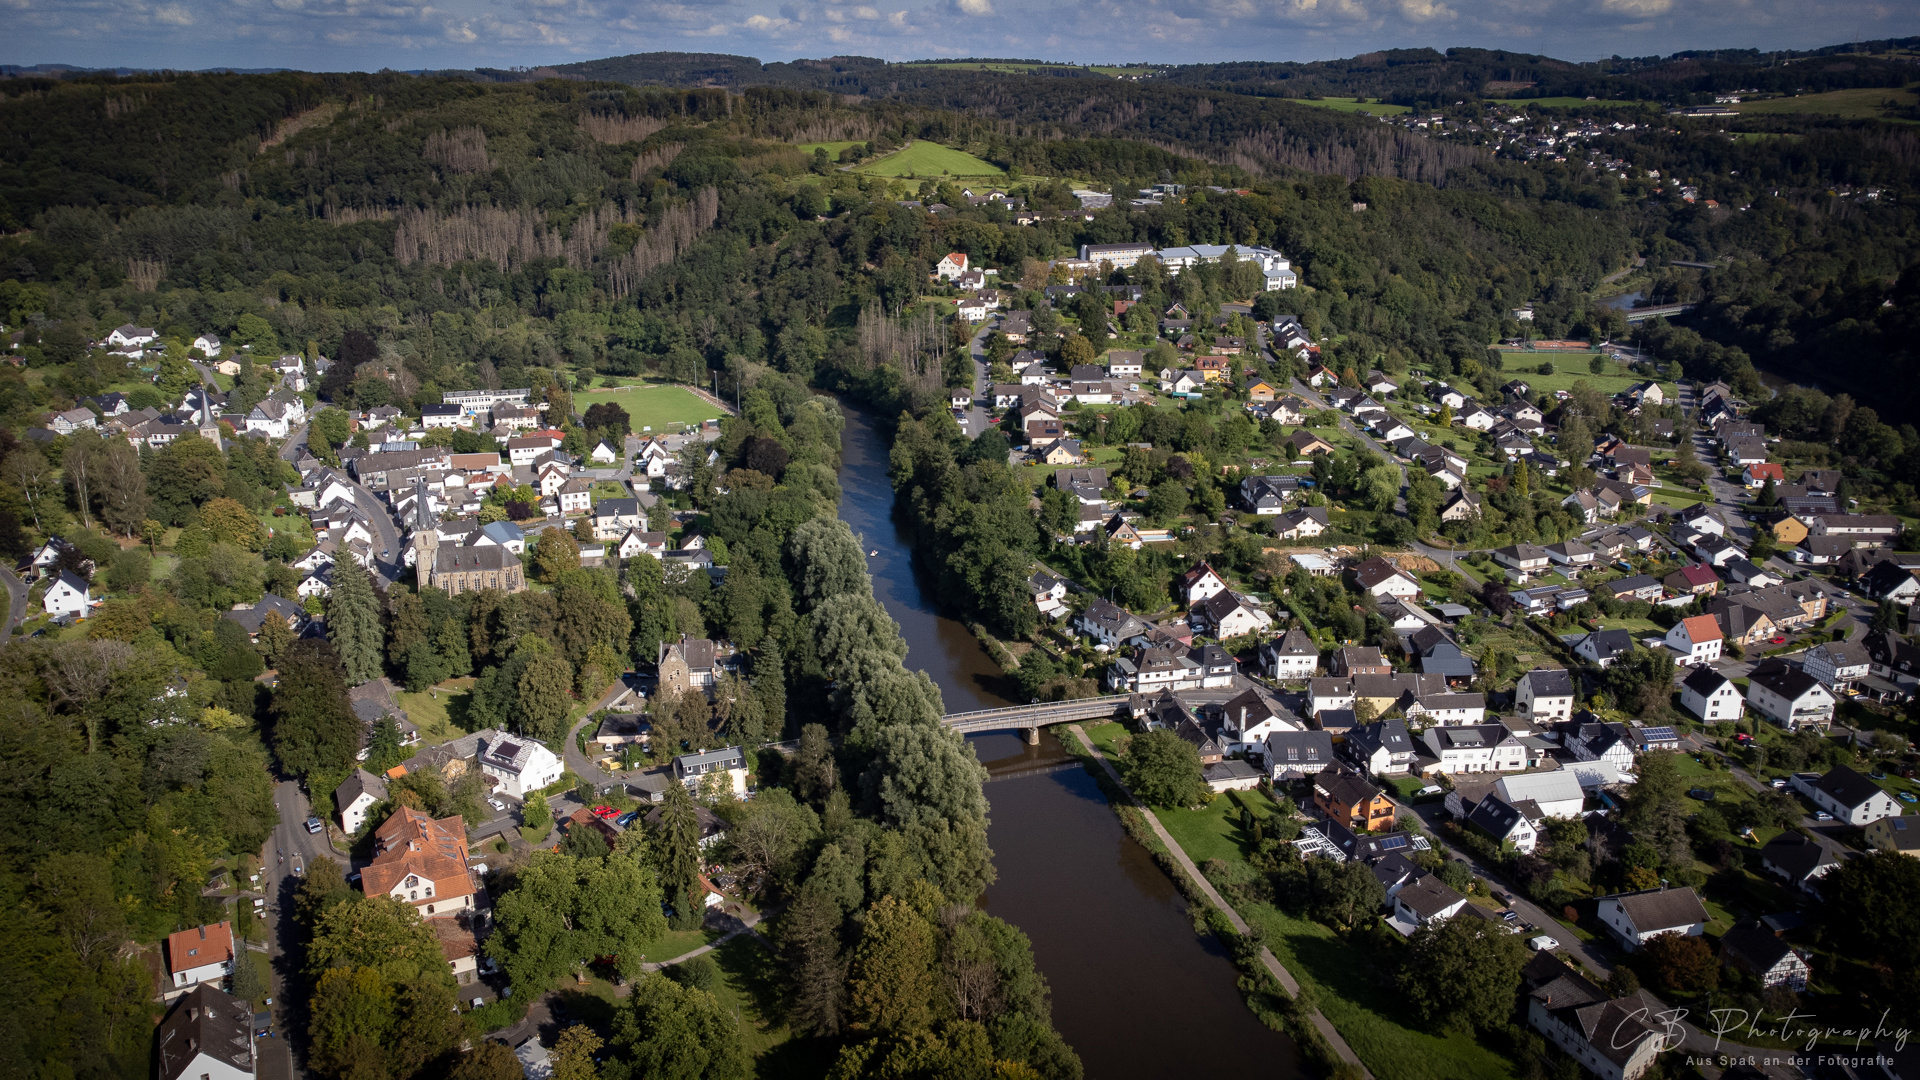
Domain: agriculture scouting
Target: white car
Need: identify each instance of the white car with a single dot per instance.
(497, 804)
(1543, 943)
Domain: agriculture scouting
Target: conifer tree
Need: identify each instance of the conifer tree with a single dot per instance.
(353, 621)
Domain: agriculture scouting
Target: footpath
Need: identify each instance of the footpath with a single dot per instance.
(1267, 959)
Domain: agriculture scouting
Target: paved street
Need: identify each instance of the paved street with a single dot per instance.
(283, 859)
(16, 598)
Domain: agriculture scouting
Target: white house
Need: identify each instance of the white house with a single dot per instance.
(66, 596)
(1791, 698)
(603, 455)
(521, 765)
(1613, 1040)
(359, 793)
(1225, 616)
(726, 766)
(1761, 953)
(1636, 918)
(1201, 583)
(1558, 794)
(1382, 578)
(128, 334)
(1291, 656)
(1604, 647)
(421, 861)
(950, 266)
(1247, 720)
(1473, 748)
(1424, 903)
(1847, 795)
(208, 1035)
(1506, 823)
(1544, 694)
(1109, 624)
(1837, 664)
(203, 954)
(1695, 640)
(1710, 695)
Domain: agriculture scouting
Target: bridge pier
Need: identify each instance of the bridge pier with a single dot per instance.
(1033, 735)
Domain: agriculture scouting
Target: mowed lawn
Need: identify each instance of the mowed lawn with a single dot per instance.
(1570, 368)
(1864, 103)
(929, 159)
(832, 148)
(656, 407)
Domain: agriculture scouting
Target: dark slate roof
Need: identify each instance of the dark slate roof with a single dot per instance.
(1704, 681)
(1847, 787)
(1755, 947)
(1662, 909)
(1550, 682)
(1609, 644)
(1788, 682)
(205, 1020)
(1428, 897)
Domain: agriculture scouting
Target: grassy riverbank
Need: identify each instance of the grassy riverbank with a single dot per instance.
(1348, 978)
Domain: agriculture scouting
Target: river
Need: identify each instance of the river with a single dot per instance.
(1135, 991)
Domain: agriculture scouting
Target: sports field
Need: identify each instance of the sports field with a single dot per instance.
(661, 408)
(927, 159)
(1352, 105)
(1864, 103)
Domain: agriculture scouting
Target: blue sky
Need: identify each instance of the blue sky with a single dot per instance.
(337, 35)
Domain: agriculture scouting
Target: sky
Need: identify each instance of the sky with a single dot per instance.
(365, 35)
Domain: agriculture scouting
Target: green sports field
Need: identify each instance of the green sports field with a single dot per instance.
(928, 160)
(662, 408)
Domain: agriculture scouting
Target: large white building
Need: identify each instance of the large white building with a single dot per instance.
(521, 765)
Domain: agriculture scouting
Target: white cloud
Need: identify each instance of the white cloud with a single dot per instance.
(975, 7)
(173, 15)
(1637, 7)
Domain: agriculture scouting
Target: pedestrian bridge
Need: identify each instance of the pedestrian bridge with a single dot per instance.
(1031, 718)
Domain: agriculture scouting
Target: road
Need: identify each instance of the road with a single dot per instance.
(1347, 425)
(16, 599)
(977, 420)
(291, 848)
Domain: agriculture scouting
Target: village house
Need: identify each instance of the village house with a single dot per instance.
(1761, 953)
(1850, 797)
(1798, 860)
(207, 1035)
(1617, 1039)
(359, 793)
(202, 954)
(1473, 748)
(1425, 902)
(1637, 918)
(1695, 640)
(1790, 698)
(1298, 755)
(687, 664)
(1544, 695)
(1837, 664)
(1290, 657)
(421, 861)
(1710, 695)
(1382, 578)
(1351, 801)
(1895, 834)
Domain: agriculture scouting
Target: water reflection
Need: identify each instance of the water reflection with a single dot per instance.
(1135, 991)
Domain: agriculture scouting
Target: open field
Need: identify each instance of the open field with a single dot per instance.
(1353, 105)
(1574, 102)
(657, 407)
(928, 159)
(1570, 368)
(1864, 103)
(832, 148)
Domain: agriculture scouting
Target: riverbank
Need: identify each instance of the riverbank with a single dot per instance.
(1136, 992)
(1338, 1010)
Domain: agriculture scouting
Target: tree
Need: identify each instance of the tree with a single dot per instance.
(1881, 919)
(1678, 963)
(572, 1057)
(1076, 350)
(678, 839)
(314, 728)
(561, 908)
(816, 971)
(1462, 973)
(554, 553)
(1343, 893)
(332, 427)
(827, 561)
(122, 487)
(669, 1030)
(813, 765)
(353, 621)
(1164, 770)
(233, 523)
(488, 1060)
(544, 694)
(28, 468)
(890, 987)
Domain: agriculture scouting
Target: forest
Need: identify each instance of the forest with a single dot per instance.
(436, 233)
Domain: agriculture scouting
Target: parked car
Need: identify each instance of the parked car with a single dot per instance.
(1509, 915)
(1822, 815)
(497, 805)
(1543, 943)
(605, 812)
(314, 824)
(1778, 782)
(1742, 738)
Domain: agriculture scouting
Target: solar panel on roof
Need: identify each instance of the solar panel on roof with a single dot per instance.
(1393, 843)
(1661, 734)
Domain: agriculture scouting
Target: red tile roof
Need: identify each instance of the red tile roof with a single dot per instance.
(199, 947)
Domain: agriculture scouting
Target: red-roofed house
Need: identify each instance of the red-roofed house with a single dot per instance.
(950, 267)
(203, 954)
(1698, 579)
(421, 861)
(1759, 474)
(1695, 640)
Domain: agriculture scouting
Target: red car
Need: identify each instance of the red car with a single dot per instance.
(605, 812)
(1742, 737)
(1779, 641)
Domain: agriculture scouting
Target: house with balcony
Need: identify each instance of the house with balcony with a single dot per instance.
(1790, 698)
